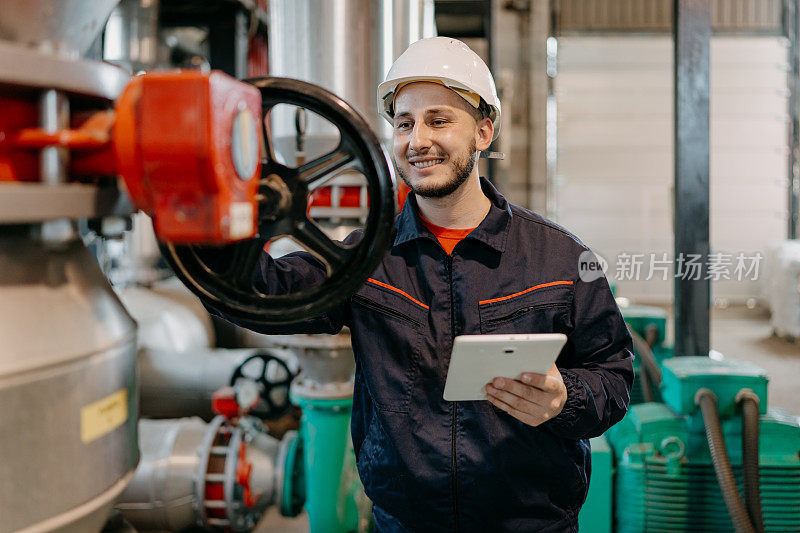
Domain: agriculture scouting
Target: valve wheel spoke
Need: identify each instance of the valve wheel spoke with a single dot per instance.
(308, 234)
(316, 173)
(244, 259)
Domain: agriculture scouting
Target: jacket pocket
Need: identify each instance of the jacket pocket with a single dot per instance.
(543, 310)
(389, 335)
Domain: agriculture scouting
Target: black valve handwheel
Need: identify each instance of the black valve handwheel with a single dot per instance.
(223, 276)
(273, 380)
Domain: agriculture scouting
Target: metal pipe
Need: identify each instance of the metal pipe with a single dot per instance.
(131, 35)
(53, 117)
(177, 384)
(185, 464)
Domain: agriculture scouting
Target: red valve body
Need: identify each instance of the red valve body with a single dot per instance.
(188, 147)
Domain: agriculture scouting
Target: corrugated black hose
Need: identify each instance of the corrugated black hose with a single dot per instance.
(748, 400)
(707, 401)
(651, 335)
(647, 388)
(649, 369)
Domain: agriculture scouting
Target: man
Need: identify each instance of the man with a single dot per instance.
(465, 261)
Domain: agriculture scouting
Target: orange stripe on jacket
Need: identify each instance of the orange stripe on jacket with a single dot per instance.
(543, 285)
(398, 291)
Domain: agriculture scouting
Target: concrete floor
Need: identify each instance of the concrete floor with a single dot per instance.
(273, 522)
(736, 332)
(741, 333)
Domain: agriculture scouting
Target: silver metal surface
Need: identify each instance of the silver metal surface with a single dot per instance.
(67, 343)
(161, 494)
(182, 383)
(339, 55)
(327, 361)
(90, 516)
(349, 54)
(170, 318)
(58, 233)
(53, 117)
(67, 27)
(131, 35)
(36, 202)
(136, 258)
(178, 370)
(25, 67)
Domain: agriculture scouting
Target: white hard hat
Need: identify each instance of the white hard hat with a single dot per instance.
(445, 60)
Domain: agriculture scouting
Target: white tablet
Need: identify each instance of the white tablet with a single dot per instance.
(478, 359)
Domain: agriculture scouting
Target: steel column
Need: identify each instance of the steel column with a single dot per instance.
(692, 36)
(790, 29)
(228, 38)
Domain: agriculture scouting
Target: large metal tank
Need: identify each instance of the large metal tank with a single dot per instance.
(349, 55)
(68, 398)
(66, 27)
(67, 386)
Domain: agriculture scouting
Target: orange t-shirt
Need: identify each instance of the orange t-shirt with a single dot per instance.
(447, 237)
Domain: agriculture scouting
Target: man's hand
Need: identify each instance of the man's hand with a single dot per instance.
(534, 400)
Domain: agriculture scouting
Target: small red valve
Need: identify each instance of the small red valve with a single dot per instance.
(223, 402)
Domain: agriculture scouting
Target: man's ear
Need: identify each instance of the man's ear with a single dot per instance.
(483, 134)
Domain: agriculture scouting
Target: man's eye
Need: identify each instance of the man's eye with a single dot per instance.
(403, 125)
(439, 122)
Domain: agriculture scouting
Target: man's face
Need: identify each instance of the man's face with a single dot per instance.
(435, 138)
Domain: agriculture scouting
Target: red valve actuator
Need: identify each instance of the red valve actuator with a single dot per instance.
(188, 146)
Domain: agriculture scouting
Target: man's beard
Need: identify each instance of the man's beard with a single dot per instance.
(462, 168)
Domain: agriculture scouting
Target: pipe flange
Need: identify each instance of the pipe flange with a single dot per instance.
(290, 475)
(21, 66)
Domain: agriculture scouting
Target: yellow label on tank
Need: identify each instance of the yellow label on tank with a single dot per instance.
(104, 416)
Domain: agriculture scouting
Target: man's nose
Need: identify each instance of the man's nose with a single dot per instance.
(420, 137)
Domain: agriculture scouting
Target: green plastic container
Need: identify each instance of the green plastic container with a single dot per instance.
(641, 317)
(595, 516)
(682, 377)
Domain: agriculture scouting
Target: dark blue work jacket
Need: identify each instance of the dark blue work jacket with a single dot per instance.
(432, 465)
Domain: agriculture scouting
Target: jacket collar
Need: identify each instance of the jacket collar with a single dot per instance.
(492, 231)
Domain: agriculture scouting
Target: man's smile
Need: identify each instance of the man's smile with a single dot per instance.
(427, 162)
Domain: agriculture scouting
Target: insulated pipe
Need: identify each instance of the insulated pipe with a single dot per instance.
(193, 473)
(749, 402)
(707, 401)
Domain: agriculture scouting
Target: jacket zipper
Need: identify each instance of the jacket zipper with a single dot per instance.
(383, 309)
(455, 404)
(524, 310)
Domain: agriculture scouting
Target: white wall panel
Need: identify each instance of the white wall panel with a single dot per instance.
(614, 175)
